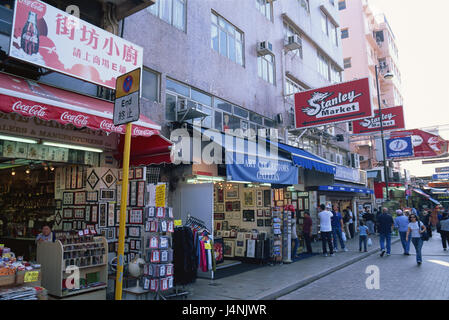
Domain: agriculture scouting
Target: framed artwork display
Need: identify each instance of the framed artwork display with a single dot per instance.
(79, 198)
(259, 213)
(232, 192)
(141, 193)
(219, 216)
(134, 232)
(220, 207)
(229, 206)
(281, 194)
(107, 195)
(294, 195)
(79, 177)
(67, 198)
(94, 214)
(103, 211)
(78, 213)
(93, 179)
(108, 178)
(260, 222)
(226, 233)
(300, 204)
(228, 249)
(138, 244)
(136, 216)
(267, 212)
(276, 195)
(259, 198)
(236, 206)
(248, 198)
(280, 203)
(288, 195)
(111, 215)
(248, 215)
(58, 217)
(132, 244)
(236, 215)
(220, 196)
(131, 174)
(67, 213)
(58, 204)
(138, 173)
(67, 226)
(74, 178)
(110, 234)
(268, 222)
(92, 196)
(306, 204)
(267, 198)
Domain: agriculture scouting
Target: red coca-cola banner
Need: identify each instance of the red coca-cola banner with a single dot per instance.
(392, 119)
(31, 99)
(425, 144)
(338, 103)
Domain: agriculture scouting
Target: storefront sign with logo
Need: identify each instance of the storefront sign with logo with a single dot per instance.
(337, 103)
(425, 144)
(348, 174)
(48, 37)
(261, 170)
(441, 170)
(399, 148)
(441, 176)
(392, 119)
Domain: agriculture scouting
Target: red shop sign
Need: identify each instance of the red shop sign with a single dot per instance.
(337, 103)
(392, 119)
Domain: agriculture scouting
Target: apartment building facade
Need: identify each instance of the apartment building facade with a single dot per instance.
(368, 41)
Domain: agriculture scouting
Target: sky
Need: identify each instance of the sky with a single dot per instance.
(419, 28)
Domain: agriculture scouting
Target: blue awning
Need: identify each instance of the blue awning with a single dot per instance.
(425, 195)
(308, 160)
(345, 188)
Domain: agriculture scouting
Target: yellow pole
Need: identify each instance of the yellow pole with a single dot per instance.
(121, 238)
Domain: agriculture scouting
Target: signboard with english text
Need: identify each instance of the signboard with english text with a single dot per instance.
(392, 119)
(48, 37)
(341, 102)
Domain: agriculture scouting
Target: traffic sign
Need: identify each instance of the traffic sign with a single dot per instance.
(127, 83)
(127, 98)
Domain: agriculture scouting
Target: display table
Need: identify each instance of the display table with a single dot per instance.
(23, 246)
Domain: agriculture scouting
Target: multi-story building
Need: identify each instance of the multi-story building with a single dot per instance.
(367, 41)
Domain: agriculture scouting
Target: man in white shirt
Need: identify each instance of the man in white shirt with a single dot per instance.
(325, 216)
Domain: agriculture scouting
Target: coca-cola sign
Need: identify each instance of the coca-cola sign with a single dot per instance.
(392, 119)
(333, 104)
(29, 110)
(79, 120)
(138, 131)
(108, 126)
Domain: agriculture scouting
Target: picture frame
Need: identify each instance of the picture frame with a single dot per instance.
(232, 192)
(79, 198)
(260, 213)
(226, 233)
(58, 204)
(229, 206)
(79, 177)
(110, 233)
(93, 179)
(78, 213)
(67, 213)
(248, 215)
(131, 174)
(102, 215)
(220, 195)
(134, 232)
(268, 223)
(280, 203)
(248, 198)
(267, 198)
(120, 175)
(236, 206)
(107, 195)
(300, 204)
(67, 226)
(220, 207)
(138, 244)
(268, 213)
(92, 196)
(111, 215)
(132, 244)
(288, 195)
(135, 216)
(219, 216)
(306, 204)
(67, 198)
(259, 198)
(228, 249)
(237, 215)
(294, 195)
(94, 214)
(260, 222)
(141, 193)
(138, 173)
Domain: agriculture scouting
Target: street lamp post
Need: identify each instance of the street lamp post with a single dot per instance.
(386, 76)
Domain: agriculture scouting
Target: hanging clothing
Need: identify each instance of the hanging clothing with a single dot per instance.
(184, 256)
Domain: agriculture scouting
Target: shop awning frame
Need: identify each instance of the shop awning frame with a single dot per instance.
(425, 195)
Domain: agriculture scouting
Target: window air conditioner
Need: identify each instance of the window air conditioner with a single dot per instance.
(264, 48)
(293, 42)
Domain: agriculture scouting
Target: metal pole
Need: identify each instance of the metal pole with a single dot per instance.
(121, 238)
(382, 133)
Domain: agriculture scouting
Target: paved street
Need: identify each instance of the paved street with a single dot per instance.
(400, 277)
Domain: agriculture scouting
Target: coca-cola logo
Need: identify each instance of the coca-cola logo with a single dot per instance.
(78, 120)
(109, 126)
(33, 4)
(139, 132)
(35, 110)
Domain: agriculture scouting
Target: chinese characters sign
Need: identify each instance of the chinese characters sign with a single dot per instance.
(392, 119)
(126, 106)
(54, 39)
(338, 103)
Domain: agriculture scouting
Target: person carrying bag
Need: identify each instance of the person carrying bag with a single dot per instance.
(418, 232)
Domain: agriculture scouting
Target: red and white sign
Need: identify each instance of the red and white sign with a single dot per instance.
(392, 119)
(425, 144)
(53, 39)
(337, 103)
(32, 99)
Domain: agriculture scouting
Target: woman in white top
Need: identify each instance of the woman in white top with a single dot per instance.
(416, 228)
(294, 237)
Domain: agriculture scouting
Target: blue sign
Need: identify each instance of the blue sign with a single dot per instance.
(399, 148)
(261, 170)
(444, 176)
(128, 83)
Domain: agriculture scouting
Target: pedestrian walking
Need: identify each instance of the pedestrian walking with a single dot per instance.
(443, 227)
(415, 231)
(385, 224)
(346, 219)
(294, 236)
(426, 221)
(363, 236)
(337, 229)
(351, 222)
(307, 231)
(401, 224)
(325, 217)
(368, 218)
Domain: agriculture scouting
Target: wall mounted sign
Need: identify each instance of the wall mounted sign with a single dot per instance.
(392, 119)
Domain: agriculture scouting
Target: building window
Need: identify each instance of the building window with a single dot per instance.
(171, 11)
(226, 39)
(324, 26)
(345, 33)
(266, 8)
(323, 66)
(266, 68)
(292, 88)
(150, 85)
(341, 5)
(334, 34)
(347, 63)
(335, 75)
(305, 4)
